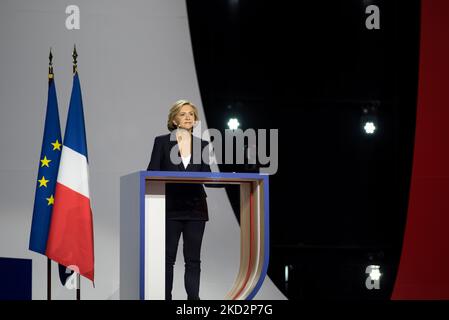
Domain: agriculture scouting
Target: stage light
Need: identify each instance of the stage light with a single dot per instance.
(373, 279)
(368, 121)
(375, 273)
(369, 127)
(233, 124)
(286, 273)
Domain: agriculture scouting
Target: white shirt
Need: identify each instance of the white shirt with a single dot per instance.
(186, 160)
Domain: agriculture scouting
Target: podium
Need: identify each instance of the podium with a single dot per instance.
(142, 231)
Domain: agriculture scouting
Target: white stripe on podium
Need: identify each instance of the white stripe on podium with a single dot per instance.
(155, 240)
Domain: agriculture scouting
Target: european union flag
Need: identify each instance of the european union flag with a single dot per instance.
(47, 173)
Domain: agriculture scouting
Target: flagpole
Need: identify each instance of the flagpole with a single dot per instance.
(48, 279)
(74, 56)
(50, 77)
(78, 278)
(78, 287)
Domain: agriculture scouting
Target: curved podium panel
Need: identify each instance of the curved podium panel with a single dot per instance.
(142, 231)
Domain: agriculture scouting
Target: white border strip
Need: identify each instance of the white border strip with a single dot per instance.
(155, 241)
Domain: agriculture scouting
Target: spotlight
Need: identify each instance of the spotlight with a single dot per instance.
(373, 279)
(369, 127)
(286, 273)
(375, 272)
(287, 269)
(233, 124)
(368, 120)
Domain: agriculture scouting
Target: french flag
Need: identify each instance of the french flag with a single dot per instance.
(70, 240)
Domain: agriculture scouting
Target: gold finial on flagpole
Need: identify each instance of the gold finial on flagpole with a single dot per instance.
(50, 66)
(74, 56)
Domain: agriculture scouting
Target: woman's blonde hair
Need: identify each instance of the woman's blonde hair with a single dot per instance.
(174, 110)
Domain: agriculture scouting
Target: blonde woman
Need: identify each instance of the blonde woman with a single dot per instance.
(186, 206)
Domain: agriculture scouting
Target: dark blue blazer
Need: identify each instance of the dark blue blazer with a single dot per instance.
(183, 201)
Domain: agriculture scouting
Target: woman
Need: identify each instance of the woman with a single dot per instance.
(186, 206)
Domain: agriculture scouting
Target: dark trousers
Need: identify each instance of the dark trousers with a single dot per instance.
(192, 236)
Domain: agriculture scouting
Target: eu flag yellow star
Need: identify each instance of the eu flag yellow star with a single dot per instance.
(45, 162)
(56, 145)
(50, 200)
(43, 182)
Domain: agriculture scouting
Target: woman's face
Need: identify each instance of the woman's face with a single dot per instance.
(185, 117)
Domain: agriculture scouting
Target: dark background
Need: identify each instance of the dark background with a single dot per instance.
(311, 69)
